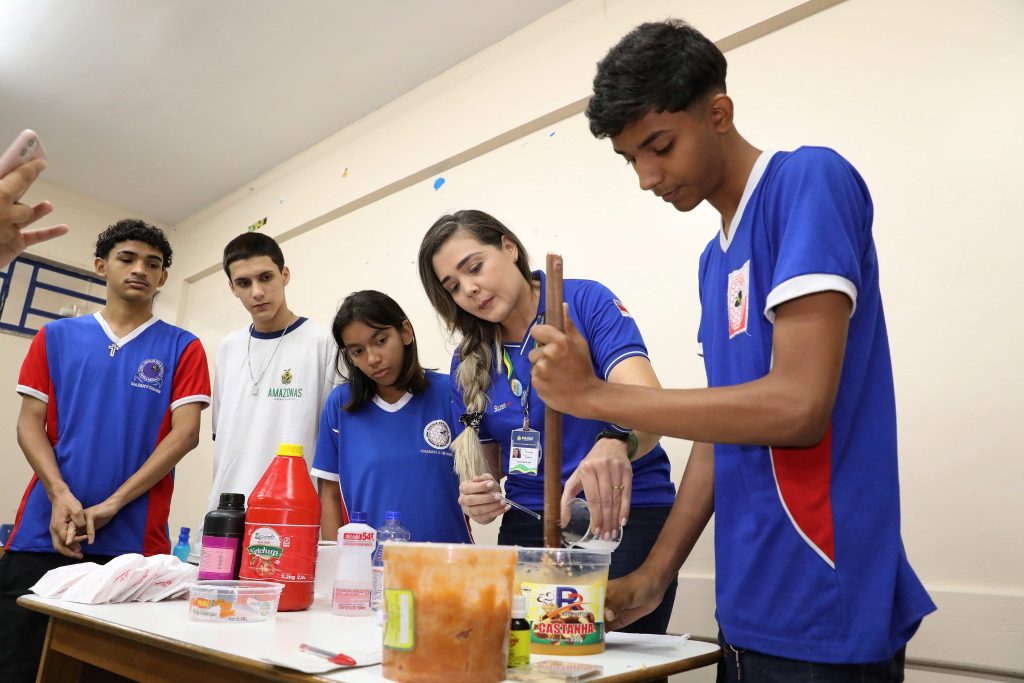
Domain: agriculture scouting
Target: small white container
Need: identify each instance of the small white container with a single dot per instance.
(353, 579)
(233, 601)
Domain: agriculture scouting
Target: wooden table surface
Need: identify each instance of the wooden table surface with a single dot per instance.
(157, 642)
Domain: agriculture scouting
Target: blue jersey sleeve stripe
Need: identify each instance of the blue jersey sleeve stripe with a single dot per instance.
(621, 357)
(198, 398)
(326, 476)
(34, 393)
(802, 285)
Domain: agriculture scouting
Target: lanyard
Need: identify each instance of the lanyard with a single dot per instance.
(519, 389)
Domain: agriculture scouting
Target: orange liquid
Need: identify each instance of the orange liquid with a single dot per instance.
(462, 597)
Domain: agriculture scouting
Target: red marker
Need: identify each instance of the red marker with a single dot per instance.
(339, 658)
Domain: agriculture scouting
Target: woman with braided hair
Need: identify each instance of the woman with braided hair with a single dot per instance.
(477, 275)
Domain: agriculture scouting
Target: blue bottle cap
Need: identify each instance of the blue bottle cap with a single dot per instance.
(393, 516)
(183, 534)
(357, 517)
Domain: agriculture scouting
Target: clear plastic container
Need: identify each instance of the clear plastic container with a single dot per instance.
(233, 601)
(448, 609)
(564, 591)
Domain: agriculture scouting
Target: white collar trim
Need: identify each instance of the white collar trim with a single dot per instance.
(128, 337)
(752, 180)
(392, 407)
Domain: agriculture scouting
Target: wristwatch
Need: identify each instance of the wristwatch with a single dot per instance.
(630, 437)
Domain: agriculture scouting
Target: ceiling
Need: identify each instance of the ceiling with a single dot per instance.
(163, 106)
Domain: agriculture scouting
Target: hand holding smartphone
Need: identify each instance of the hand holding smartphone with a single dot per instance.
(15, 180)
(25, 148)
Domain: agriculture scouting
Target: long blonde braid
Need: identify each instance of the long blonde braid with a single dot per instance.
(474, 378)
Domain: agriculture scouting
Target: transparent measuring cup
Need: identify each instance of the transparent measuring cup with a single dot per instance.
(578, 534)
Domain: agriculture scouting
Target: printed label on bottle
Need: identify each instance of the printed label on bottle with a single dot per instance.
(217, 560)
(400, 627)
(351, 599)
(518, 648)
(280, 552)
(563, 614)
(378, 587)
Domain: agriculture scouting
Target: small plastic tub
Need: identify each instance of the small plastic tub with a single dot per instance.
(564, 591)
(233, 601)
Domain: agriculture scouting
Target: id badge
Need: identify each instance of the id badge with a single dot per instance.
(524, 452)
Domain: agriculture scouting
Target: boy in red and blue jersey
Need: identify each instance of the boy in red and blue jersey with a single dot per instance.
(110, 403)
(795, 440)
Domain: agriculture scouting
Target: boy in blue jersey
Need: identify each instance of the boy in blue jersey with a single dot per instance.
(110, 404)
(795, 440)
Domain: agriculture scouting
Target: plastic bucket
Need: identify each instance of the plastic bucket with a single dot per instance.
(448, 609)
(564, 591)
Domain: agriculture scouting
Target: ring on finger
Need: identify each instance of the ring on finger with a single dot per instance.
(618, 488)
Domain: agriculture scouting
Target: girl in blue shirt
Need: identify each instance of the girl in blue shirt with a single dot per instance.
(477, 275)
(384, 439)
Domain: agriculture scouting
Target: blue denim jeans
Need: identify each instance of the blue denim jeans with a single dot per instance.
(748, 666)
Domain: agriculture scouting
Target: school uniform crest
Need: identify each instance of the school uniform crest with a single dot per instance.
(438, 434)
(149, 375)
(738, 299)
(287, 377)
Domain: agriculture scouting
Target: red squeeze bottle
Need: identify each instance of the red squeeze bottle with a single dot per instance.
(282, 525)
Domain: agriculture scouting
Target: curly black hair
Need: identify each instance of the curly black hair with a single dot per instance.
(133, 229)
(658, 66)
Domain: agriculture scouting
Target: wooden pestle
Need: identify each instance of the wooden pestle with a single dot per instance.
(553, 418)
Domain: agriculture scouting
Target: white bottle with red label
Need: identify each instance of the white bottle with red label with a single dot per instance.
(353, 581)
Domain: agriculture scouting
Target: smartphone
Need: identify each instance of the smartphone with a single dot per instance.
(26, 147)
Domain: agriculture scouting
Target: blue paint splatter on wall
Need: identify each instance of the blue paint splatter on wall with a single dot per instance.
(438, 183)
(551, 134)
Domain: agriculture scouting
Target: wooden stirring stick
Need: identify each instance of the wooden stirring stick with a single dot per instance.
(553, 418)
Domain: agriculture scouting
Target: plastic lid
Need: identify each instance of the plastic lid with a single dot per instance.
(518, 606)
(290, 450)
(232, 500)
(357, 517)
(392, 516)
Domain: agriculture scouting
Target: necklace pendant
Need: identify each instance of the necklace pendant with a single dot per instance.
(255, 389)
(113, 348)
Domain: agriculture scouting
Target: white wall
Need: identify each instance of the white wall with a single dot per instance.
(87, 218)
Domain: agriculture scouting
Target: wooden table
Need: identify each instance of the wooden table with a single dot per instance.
(157, 642)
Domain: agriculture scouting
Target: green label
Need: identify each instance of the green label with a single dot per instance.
(400, 628)
(518, 648)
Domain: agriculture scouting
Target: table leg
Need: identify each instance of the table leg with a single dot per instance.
(56, 667)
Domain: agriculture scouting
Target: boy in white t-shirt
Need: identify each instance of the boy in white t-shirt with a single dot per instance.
(271, 378)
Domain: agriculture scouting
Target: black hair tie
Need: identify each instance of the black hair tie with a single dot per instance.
(472, 420)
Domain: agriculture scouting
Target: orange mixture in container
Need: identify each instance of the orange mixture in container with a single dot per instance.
(448, 610)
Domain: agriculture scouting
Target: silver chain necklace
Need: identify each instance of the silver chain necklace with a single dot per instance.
(248, 357)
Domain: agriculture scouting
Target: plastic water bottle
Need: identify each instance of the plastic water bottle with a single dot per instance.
(353, 581)
(182, 549)
(391, 531)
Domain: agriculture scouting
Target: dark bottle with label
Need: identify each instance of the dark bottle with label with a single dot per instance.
(223, 530)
